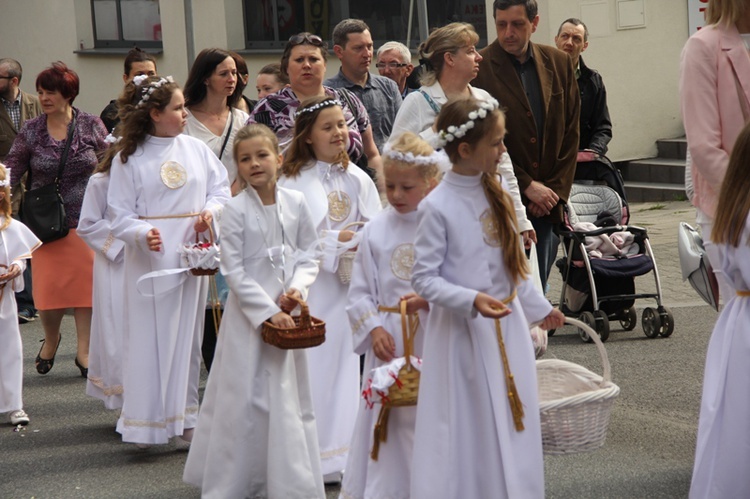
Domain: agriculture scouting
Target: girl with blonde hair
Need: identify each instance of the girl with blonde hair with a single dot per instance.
(258, 439)
(17, 243)
(381, 279)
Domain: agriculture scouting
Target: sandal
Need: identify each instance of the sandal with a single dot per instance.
(43, 366)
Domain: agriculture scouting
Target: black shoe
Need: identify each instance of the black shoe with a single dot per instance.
(84, 370)
(43, 366)
(25, 316)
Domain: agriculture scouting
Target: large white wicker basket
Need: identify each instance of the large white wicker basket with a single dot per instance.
(575, 403)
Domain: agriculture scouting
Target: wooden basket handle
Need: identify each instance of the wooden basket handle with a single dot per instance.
(408, 332)
(353, 224)
(210, 235)
(304, 314)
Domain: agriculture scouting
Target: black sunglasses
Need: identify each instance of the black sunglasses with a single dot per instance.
(309, 38)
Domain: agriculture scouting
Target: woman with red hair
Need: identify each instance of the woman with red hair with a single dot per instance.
(62, 270)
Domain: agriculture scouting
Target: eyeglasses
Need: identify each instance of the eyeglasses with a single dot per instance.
(309, 38)
(6, 77)
(391, 65)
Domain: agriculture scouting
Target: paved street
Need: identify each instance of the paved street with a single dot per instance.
(70, 449)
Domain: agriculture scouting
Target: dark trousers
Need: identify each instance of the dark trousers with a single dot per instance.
(546, 247)
(24, 299)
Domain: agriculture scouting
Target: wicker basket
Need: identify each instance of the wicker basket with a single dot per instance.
(346, 259)
(404, 392)
(575, 403)
(308, 331)
(205, 271)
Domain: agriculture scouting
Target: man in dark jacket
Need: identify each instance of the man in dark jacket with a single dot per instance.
(596, 127)
(537, 87)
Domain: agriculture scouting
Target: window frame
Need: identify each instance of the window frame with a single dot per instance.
(121, 43)
(412, 39)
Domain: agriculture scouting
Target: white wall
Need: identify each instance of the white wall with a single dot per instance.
(639, 66)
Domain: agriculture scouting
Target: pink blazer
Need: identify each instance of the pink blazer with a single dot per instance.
(710, 103)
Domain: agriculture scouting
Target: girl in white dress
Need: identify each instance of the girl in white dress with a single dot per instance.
(472, 439)
(381, 279)
(16, 244)
(164, 188)
(722, 452)
(316, 164)
(256, 433)
(108, 314)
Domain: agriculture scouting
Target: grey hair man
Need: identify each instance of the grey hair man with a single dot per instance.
(394, 62)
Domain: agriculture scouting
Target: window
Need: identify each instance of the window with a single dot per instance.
(125, 23)
(270, 23)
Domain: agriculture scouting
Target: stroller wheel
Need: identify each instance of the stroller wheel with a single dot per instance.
(651, 322)
(667, 323)
(629, 320)
(588, 319)
(602, 325)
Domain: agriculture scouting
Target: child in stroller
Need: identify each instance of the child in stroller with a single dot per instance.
(602, 256)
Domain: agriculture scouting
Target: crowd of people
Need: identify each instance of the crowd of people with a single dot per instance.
(475, 164)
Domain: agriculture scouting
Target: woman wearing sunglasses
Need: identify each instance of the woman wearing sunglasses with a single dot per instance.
(304, 62)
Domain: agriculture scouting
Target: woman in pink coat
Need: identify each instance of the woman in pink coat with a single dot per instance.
(715, 101)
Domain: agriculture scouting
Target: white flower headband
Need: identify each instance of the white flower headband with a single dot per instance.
(319, 105)
(458, 132)
(149, 89)
(437, 158)
(6, 182)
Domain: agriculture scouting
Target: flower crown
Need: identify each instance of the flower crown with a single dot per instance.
(148, 89)
(458, 132)
(6, 182)
(437, 158)
(319, 105)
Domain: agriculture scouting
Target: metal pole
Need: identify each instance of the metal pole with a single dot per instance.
(189, 34)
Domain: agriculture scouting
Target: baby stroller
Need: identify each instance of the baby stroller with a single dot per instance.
(602, 256)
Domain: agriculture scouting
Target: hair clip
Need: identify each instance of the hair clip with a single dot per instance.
(319, 105)
(149, 89)
(458, 132)
(436, 158)
(6, 182)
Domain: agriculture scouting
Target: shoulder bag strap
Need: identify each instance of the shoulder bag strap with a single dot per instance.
(229, 132)
(347, 97)
(63, 158)
(431, 102)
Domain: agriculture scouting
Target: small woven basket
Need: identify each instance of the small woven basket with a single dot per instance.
(346, 259)
(197, 271)
(308, 331)
(404, 392)
(575, 403)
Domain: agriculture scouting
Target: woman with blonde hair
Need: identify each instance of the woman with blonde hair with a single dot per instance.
(452, 61)
(715, 100)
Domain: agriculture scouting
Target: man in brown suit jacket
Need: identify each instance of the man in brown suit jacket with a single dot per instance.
(536, 85)
(15, 108)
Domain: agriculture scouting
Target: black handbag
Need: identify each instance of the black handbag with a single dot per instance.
(43, 209)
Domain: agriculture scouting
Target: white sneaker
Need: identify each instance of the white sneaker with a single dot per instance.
(19, 417)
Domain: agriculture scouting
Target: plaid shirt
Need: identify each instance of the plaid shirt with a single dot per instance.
(14, 110)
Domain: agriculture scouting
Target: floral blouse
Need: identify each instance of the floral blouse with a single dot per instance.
(36, 152)
(277, 111)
